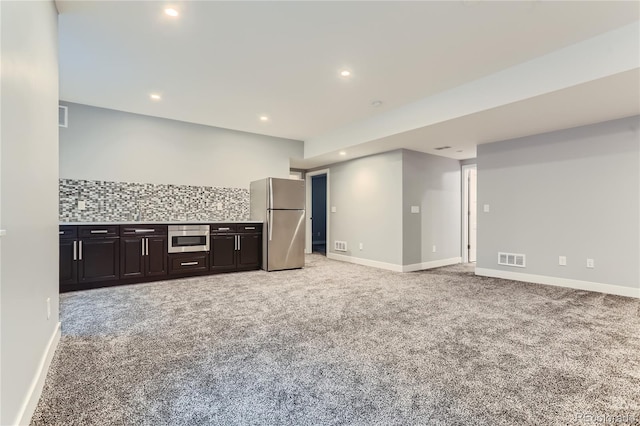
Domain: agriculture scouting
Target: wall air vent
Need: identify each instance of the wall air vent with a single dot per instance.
(440, 148)
(340, 245)
(63, 116)
(511, 259)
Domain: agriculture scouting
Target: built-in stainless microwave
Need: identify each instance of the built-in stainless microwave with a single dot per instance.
(188, 238)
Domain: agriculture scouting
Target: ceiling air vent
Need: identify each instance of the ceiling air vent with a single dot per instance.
(440, 148)
(511, 259)
(63, 115)
(340, 245)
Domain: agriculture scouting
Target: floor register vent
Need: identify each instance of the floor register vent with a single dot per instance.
(340, 245)
(511, 259)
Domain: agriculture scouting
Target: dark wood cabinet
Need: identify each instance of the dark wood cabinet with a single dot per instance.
(143, 251)
(68, 262)
(88, 254)
(98, 259)
(249, 254)
(223, 252)
(236, 247)
(104, 255)
(188, 263)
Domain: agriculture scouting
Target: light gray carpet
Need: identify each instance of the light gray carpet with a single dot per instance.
(338, 343)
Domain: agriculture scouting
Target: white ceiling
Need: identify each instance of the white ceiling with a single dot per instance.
(226, 63)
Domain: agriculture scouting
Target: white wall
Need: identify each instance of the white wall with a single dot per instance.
(103, 144)
(433, 184)
(367, 193)
(573, 193)
(28, 202)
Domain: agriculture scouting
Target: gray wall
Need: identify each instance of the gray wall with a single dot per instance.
(367, 193)
(103, 144)
(432, 183)
(28, 196)
(573, 193)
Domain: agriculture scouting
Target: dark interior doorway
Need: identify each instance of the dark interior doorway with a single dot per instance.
(319, 214)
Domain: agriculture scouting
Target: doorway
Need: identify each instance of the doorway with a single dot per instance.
(317, 208)
(469, 212)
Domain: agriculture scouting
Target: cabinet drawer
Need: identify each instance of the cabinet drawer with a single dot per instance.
(143, 230)
(188, 262)
(250, 227)
(96, 231)
(223, 228)
(68, 231)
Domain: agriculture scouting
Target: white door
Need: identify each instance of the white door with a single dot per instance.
(473, 217)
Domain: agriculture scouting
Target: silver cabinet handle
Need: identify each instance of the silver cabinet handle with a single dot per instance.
(60, 232)
(223, 229)
(146, 246)
(80, 251)
(140, 231)
(142, 248)
(75, 250)
(99, 231)
(188, 263)
(249, 227)
(235, 242)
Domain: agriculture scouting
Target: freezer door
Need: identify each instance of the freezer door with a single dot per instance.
(285, 239)
(286, 194)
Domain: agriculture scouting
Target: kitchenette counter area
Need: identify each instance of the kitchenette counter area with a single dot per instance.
(100, 254)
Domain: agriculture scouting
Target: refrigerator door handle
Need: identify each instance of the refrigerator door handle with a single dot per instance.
(270, 224)
(270, 194)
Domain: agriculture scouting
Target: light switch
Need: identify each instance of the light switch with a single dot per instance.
(82, 205)
(415, 209)
(485, 208)
(333, 209)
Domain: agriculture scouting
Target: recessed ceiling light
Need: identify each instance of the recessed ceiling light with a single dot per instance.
(171, 12)
(345, 73)
(376, 104)
(155, 96)
(343, 153)
(264, 118)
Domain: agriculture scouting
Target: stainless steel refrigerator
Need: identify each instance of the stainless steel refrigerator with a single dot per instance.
(279, 204)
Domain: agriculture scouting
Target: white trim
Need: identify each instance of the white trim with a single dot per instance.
(392, 266)
(308, 176)
(365, 262)
(37, 384)
(560, 282)
(431, 264)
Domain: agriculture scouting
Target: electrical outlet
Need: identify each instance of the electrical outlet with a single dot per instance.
(82, 205)
(485, 208)
(361, 246)
(333, 209)
(48, 307)
(562, 260)
(591, 263)
(433, 249)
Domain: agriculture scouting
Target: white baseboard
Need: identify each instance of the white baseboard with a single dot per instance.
(37, 384)
(393, 266)
(432, 264)
(560, 282)
(365, 262)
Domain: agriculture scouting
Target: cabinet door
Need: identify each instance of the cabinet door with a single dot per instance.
(156, 258)
(249, 255)
(68, 265)
(99, 260)
(223, 253)
(131, 258)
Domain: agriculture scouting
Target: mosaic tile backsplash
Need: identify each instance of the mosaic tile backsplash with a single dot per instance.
(146, 202)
